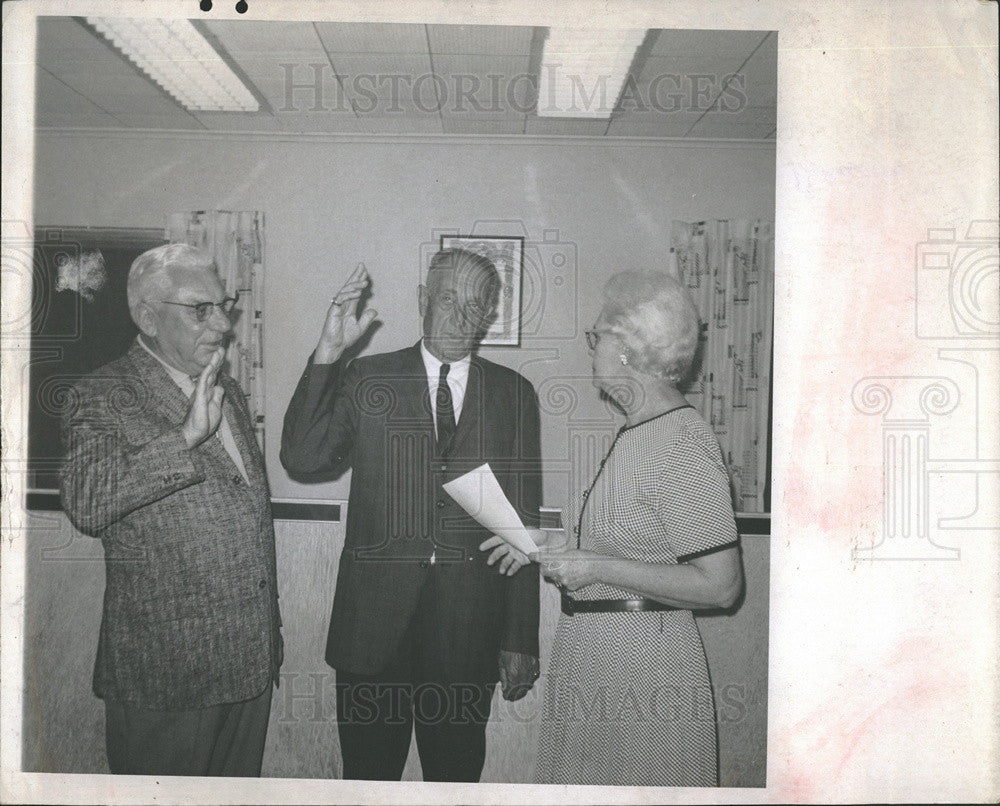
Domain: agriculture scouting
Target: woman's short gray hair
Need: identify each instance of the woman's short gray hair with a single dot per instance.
(151, 270)
(654, 317)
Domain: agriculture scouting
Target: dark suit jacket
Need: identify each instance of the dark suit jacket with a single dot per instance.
(190, 606)
(375, 417)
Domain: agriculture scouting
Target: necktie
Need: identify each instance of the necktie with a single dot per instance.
(445, 412)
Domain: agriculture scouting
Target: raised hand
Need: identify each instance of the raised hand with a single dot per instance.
(205, 409)
(343, 327)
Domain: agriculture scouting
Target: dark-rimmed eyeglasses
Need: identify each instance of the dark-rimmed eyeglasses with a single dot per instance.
(203, 310)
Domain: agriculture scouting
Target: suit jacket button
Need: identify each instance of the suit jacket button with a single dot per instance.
(262, 584)
(237, 479)
(440, 505)
(425, 563)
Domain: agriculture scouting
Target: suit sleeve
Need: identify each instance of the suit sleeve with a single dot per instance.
(521, 606)
(321, 422)
(118, 459)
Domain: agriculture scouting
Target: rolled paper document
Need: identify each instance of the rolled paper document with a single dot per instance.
(479, 493)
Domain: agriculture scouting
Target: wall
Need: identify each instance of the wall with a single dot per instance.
(64, 722)
(330, 203)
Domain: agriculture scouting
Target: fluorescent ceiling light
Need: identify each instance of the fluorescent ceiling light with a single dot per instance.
(583, 71)
(178, 58)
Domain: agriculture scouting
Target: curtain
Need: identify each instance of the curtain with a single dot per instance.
(728, 267)
(236, 240)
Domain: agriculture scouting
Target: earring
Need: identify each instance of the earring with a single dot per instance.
(623, 359)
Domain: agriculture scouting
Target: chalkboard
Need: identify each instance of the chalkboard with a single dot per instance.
(80, 321)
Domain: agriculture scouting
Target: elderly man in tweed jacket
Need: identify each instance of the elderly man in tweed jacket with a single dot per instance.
(163, 467)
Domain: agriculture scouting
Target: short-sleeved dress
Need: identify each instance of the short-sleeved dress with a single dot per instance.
(628, 699)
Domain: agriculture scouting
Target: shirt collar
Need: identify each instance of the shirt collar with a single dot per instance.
(459, 368)
(182, 379)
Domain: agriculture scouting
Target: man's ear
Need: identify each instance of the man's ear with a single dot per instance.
(146, 319)
(423, 300)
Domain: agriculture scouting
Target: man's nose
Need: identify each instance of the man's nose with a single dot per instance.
(220, 320)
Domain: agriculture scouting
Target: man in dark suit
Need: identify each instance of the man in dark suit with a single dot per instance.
(422, 627)
(163, 467)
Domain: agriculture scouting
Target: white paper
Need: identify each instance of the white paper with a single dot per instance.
(479, 493)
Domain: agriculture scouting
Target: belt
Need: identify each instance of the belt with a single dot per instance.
(571, 605)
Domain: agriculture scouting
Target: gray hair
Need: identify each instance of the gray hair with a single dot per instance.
(654, 317)
(151, 270)
(488, 280)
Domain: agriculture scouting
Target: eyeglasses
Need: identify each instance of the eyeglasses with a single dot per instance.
(203, 310)
(593, 337)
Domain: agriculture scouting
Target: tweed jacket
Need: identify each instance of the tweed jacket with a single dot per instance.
(374, 416)
(190, 614)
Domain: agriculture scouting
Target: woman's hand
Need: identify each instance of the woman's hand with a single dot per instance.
(570, 569)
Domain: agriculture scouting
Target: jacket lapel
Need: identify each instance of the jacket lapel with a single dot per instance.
(242, 430)
(165, 397)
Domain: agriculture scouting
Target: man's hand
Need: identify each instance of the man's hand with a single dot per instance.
(518, 674)
(511, 560)
(205, 409)
(343, 327)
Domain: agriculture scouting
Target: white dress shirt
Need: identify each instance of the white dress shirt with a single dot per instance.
(458, 379)
(223, 432)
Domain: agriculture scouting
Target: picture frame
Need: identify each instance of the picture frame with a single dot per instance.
(507, 254)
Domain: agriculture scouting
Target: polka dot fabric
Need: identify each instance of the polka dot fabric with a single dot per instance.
(628, 699)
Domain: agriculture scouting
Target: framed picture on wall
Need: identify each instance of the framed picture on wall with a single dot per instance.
(507, 254)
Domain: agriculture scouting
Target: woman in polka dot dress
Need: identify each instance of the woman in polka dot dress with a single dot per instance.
(628, 699)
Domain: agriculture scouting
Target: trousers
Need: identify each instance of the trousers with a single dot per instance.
(378, 714)
(226, 740)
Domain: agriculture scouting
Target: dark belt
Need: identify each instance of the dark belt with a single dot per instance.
(571, 605)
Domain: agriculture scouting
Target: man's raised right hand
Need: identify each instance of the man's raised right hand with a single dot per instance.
(205, 409)
(343, 327)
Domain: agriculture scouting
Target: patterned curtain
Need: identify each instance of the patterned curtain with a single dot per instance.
(236, 239)
(728, 266)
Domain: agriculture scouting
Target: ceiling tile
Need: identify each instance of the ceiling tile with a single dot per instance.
(761, 74)
(709, 46)
(752, 123)
(483, 40)
(65, 45)
(146, 120)
(565, 126)
(285, 61)
(652, 124)
(376, 38)
(238, 122)
(259, 39)
(485, 84)
(482, 124)
(401, 124)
